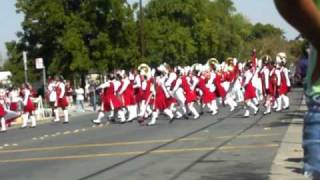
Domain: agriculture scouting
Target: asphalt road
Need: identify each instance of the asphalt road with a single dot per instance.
(225, 146)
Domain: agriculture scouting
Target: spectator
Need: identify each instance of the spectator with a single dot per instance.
(69, 93)
(80, 99)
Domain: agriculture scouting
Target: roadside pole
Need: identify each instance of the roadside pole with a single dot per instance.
(24, 54)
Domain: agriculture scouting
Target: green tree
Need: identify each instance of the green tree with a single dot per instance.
(75, 36)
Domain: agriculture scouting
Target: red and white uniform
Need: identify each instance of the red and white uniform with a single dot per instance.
(283, 81)
(264, 75)
(250, 91)
(161, 95)
(126, 92)
(207, 96)
(220, 91)
(28, 105)
(14, 100)
(190, 94)
(52, 94)
(109, 99)
(3, 113)
(137, 88)
(62, 100)
(2, 103)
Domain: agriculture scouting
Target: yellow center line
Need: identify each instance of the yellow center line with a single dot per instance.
(96, 145)
(156, 152)
(52, 148)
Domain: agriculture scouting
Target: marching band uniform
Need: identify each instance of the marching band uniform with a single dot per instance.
(14, 100)
(169, 84)
(264, 75)
(2, 112)
(137, 88)
(257, 84)
(110, 102)
(177, 92)
(283, 84)
(126, 92)
(28, 107)
(190, 95)
(249, 92)
(208, 98)
(222, 93)
(160, 101)
(268, 79)
(145, 109)
(61, 101)
(52, 95)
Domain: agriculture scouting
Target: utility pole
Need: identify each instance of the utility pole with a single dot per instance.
(141, 34)
(24, 55)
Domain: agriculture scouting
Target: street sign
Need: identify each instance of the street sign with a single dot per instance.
(39, 63)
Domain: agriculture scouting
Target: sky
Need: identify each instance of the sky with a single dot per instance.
(262, 11)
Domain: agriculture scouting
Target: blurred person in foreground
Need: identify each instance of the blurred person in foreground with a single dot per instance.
(305, 16)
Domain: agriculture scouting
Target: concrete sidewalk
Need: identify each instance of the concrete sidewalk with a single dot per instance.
(288, 163)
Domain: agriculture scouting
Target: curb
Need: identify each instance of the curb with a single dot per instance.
(288, 162)
(47, 120)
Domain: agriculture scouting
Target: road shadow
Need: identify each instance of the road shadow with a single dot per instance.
(276, 124)
(295, 170)
(296, 160)
(294, 115)
(212, 161)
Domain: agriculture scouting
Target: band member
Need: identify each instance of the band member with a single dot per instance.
(28, 106)
(264, 75)
(160, 94)
(52, 94)
(61, 101)
(110, 102)
(249, 90)
(190, 95)
(283, 82)
(2, 111)
(217, 78)
(14, 100)
(146, 99)
(178, 93)
(207, 97)
(126, 92)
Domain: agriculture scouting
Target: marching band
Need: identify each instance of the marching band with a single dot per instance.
(178, 92)
(175, 91)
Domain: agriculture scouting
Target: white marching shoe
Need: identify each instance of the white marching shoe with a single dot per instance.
(3, 125)
(98, 120)
(246, 114)
(268, 111)
(152, 122)
(214, 112)
(56, 114)
(66, 116)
